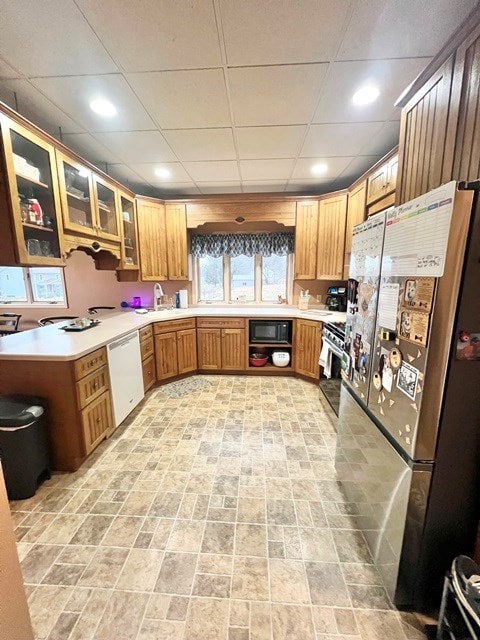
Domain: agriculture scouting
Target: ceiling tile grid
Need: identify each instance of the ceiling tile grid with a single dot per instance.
(226, 96)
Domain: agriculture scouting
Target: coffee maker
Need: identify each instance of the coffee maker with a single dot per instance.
(336, 299)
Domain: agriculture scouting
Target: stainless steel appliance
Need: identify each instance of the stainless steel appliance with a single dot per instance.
(333, 336)
(336, 299)
(270, 331)
(408, 450)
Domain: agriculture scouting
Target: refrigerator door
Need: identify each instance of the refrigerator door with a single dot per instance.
(362, 297)
(418, 296)
(388, 497)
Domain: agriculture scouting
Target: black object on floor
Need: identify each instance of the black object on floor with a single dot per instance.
(460, 609)
(23, 444)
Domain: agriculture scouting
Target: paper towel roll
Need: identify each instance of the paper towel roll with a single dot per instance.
(183, 298)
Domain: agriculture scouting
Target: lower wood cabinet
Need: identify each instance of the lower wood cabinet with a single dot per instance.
(221, 349)
(148, 371)
(307, 346)
(97, 421)
(175, 350)
(147, 351)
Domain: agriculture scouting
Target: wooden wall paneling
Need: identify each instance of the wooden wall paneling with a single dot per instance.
(209, 343)
(356, 213)
(331, 237)
(177, 250)
(166, 358)
(152, 240)
(187, 350)
(233, 349)
(426, 137)
(466, 84)
(306, 233)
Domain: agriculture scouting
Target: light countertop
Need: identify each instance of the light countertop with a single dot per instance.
(52, 343)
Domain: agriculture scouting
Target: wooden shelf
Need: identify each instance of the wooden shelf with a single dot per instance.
(37, 226)
(269, 365)
(102, 208)
(75, 197)
(32, 180)
(277, 345)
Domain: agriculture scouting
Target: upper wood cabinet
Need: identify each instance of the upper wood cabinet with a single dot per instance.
(383, 180)
(306, 232)
(331, 237)
(307, 344)
(152, 240)
(177, 251)
(427, 137)
(31, 225)
(106, 207)
(355, 215)
(128, 221)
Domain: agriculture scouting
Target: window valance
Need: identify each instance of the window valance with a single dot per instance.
(242, 244)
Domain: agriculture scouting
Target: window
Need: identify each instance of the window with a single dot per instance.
(242, 278)
(33, 285)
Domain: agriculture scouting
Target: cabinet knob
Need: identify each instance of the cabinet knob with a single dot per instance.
(98, 420)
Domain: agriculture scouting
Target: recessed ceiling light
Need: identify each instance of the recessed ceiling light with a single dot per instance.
(103, 107)
(162, 173)
(365, 95)
(319, 169)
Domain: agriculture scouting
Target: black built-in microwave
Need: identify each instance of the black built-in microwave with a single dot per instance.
(271, 331)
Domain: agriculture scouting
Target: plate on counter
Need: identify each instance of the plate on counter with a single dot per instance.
(74, 327)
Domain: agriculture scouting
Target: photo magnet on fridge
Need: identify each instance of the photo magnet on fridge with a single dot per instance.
(407, 380)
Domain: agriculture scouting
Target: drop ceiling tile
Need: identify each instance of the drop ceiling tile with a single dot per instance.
(166, 34)
(178, 189)
(201, 144)
(254, 170)
(184, 99)
(272, 32)
(393, 29)
(127, 177)
(36, 107)
(73, 95)
(383, 141)
(342, 139)
(335, 166)
(284, 94)
(146, 170)
(6, 71)
(90, 149)
(311, 186)
(358, 166)
(51, 38)
(264, 186)
(213, 171)
(269, 142)
(137, 146)
(219, 187)
(390, 76)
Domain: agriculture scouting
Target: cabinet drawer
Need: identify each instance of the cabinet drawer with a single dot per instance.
(92, 386)
(147, 348)
(90, 362)
(97, 421)
(175, 325)
(145, 333)
(149, 374)
(221, 323)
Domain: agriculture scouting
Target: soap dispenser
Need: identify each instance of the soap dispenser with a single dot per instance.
(157, 296)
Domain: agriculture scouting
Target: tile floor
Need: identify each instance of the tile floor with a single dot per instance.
(212, 516)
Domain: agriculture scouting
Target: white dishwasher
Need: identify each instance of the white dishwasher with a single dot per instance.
(126, 379)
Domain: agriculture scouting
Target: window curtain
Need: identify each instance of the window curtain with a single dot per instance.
(242, 244)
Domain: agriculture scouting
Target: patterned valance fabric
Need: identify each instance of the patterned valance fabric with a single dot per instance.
(242, 244)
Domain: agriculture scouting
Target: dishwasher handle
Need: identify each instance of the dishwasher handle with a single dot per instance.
(122, 341)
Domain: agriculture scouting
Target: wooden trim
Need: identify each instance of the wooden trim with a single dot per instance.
(382, 204)
(454, 42)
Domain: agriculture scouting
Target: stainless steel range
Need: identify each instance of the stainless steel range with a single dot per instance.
(331, 360)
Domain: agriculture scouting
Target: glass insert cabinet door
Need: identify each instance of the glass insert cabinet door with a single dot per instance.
(129, 232)
(35, 198)
(106, 209)
(76, 194)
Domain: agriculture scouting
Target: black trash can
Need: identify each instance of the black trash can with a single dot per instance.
(23, 445)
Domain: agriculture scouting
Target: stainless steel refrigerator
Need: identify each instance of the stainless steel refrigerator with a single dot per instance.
(408, 453)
